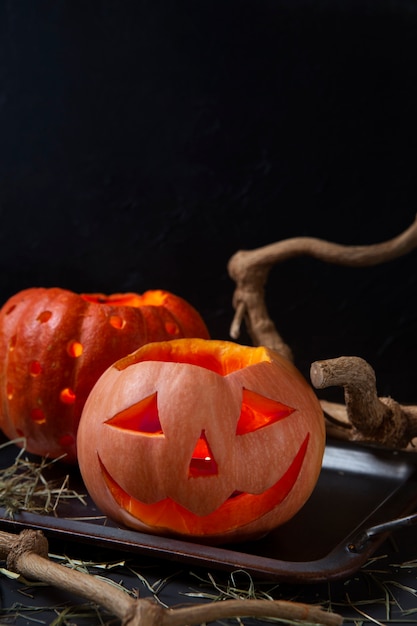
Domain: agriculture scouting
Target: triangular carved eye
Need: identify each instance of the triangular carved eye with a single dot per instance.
(141, 417)
(258, 411)
(202, 462)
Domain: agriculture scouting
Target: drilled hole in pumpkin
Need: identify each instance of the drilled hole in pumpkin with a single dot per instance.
(117, 322)
(12, 343)
(202, 462)
(10, 309)
(74, 348)
(35, 368)
(258, 411)
(43, 317)
(171, 328)
(19, 432)
(141, 417)
(37, 416)
(9, 391)
(66, 440)
(67, 396)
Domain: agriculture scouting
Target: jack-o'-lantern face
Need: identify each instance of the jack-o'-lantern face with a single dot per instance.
(200, 438)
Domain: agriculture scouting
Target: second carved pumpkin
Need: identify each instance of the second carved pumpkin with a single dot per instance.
(54, 345)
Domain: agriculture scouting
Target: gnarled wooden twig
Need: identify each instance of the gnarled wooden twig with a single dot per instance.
(365, 416)
(27, 554)
(250, 269)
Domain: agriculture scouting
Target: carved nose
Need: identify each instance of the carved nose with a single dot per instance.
(202, 461)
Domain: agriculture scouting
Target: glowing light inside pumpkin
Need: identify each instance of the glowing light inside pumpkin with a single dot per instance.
(152, 298)
(202, 462)
(67, 396)
(123, 299)
(141, 417)
(236, 511)
(258, 411)
(74, 348)
(218, 359)
(117, 322)
(9, 391)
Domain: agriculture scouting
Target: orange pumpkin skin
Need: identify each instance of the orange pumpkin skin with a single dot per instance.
(201, 439)
(54, 345)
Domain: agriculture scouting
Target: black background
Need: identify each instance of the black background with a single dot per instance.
(142, 143)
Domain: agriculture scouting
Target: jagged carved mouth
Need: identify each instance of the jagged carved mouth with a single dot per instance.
(238, 510)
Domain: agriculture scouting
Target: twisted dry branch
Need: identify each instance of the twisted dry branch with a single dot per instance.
(365, 416)
(27, 554)
(250, 268)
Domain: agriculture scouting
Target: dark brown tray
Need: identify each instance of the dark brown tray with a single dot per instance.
(359, 487)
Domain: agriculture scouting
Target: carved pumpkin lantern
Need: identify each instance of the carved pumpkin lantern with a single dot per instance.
(202, 439)
(54, 345)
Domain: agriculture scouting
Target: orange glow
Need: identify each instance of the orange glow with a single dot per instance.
(221, 357)
(235, 512)
(9, 391)
(67, 396)
(116, 299)
(154, 297)
(202, 461)
(259, 411)
(117, 322)
(74, 348)
(141, 417)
